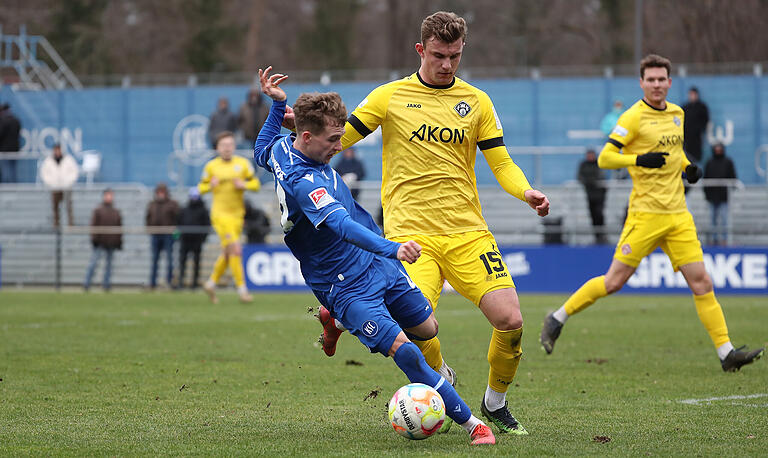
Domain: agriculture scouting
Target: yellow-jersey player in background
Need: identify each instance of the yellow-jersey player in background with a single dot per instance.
(432, 124)
(227, 177)
(650, 134)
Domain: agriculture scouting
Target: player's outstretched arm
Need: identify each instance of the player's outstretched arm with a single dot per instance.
(507, 173)
(611, 158)
(270, 85)
(355, 233)
(538, 201)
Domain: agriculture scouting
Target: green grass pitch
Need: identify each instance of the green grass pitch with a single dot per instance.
(170, 374)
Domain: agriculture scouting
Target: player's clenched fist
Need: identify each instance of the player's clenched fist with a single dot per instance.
(409, 252)
(537, 201)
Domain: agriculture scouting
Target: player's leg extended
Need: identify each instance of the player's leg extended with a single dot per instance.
(220, 266)
(642, 233)
(711, 315)
(411, 361)
(426, 274)
(236, 267)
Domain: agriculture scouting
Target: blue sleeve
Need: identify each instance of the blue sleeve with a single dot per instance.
(355, 233)
(267, 134)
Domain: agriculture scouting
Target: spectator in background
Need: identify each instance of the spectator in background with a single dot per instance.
(591, 177)
(610, 119)
(195, 214)
(253, 113)
(59, 172)
(696, 120)
(256, 223)
(606, 126)
(351, 170)
(221, 120)
(104, 215)
(10, 135)
(721, 167)
(161, 211)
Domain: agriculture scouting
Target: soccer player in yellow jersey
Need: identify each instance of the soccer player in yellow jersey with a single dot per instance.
(432, 124)
(650, 133)
(227, 177)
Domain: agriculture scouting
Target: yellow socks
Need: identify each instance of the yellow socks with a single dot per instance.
(431, 351)
(585, 296)
(219, 268)
(711, 316)
(236, 267)
(504, 356)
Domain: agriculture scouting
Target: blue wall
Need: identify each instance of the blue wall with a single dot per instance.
(133, 128)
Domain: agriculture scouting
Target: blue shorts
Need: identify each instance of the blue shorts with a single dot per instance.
(376, 306)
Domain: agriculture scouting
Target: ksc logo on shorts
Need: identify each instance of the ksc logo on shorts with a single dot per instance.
(320, 198)
(370, 328)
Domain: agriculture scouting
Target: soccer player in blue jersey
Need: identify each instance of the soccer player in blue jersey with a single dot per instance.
(353, 271)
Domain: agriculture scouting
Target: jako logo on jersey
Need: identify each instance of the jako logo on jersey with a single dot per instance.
(670, 140)
(438, 134)
(413, 105)
(462, 108)
(320, 198)
(370, 328)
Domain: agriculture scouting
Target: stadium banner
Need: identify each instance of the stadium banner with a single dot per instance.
(554, 269)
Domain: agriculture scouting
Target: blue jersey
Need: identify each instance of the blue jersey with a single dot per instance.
(309, 193)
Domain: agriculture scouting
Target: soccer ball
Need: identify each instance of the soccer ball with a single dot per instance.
(416, 411)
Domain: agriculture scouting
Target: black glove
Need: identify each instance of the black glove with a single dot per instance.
(651, 160)
(693, 173)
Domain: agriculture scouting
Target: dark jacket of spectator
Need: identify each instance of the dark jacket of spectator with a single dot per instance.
(10, 130)
(351, 170)
(221, 120)
(256, 224)
(252, 115)
(590, 176)
(194, 214)
(107, 215)
(696, 119)
(162, 211)
(718, 166)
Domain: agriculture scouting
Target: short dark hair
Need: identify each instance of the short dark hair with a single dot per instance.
(444, 26)
(108, 190)
(693, 89)
(654, 61)
(315, 110)
(223, 134)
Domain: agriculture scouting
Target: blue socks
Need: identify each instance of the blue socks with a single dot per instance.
(410, 360)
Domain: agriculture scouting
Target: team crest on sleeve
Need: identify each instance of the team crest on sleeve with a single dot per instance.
(321, 198)
(676, 121)
(462, 108)
(620, 131)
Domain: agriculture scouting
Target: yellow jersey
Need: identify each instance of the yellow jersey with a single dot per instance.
(227, 199)
(644, 129)
(430, 136)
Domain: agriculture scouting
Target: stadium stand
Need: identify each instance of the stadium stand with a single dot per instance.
(29, 243)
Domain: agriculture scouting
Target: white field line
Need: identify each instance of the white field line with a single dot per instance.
(707, 401)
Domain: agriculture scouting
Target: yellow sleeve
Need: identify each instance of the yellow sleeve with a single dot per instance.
(368, 115)
(251, 182)
(489, 131)
(205, 179)
(507, 173)
(611, 158)
(685, 162)
(622, 135)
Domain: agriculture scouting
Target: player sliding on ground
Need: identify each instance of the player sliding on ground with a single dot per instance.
(352, 270)
(650, 133)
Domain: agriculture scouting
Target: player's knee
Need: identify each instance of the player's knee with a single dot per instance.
(701, 285)
(508, 322)
(430, 329)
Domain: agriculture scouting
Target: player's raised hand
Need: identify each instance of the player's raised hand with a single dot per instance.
(409, 252)
(270, 84)
(538, 201)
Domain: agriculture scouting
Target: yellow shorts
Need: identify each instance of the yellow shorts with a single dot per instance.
(470, 261)
(675, 233)
(228, 228)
